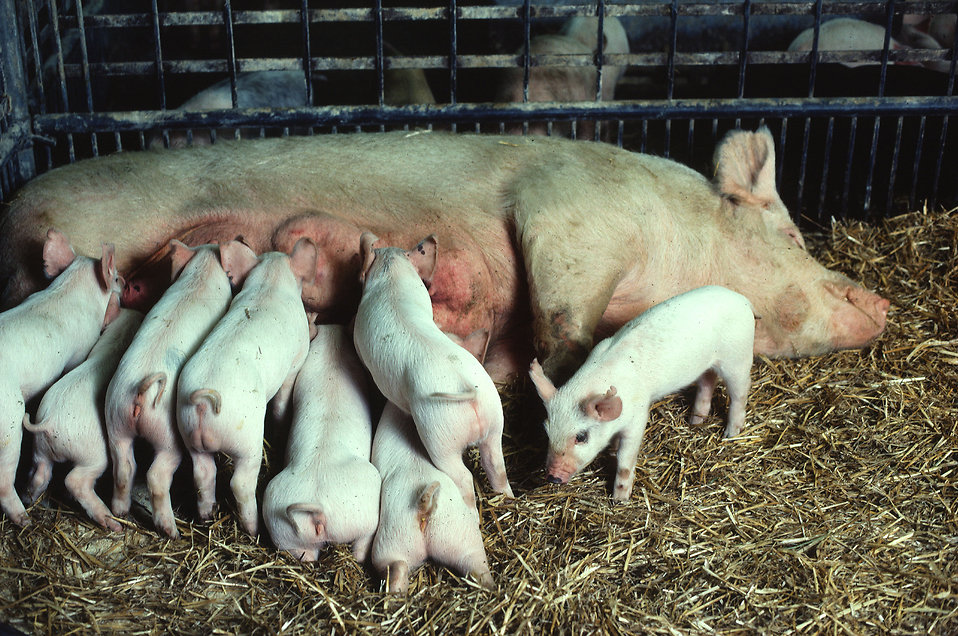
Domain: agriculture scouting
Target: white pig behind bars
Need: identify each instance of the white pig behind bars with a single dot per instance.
(52, 331)
(140, 398)
(70, 428)
(688, 338)
(251, 357)
(421, 513)
(328, 491)
(451, 398)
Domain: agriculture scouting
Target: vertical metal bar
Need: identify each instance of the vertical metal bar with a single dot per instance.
(670, 83)
(13, 87)
(85, 66)
(526, 56)
(307, 51)
(916, 166)
(599, 61)
(61, 72)
(453, 51)
(806, 132)
(873, 151)
(882, 76)
(813, 60)
(780, 164)
(160, 71)
(893, 171)
(380, 62)
(848, 165)
(828, 153)
(41, 94)
(231, 52)
(743, 54)
(690, 141)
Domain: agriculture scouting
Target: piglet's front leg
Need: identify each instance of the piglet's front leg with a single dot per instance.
(629, 442)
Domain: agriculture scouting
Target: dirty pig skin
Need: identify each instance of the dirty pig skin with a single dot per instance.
(545, 241)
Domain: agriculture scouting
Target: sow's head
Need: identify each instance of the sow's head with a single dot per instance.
(802, 307)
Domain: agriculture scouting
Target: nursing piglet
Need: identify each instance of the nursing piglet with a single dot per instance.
(421, 514)
(252, 355)
(692, 336)
(451, 398)
(52, 331)
(329, 491)
(140, 398)
(69, 426)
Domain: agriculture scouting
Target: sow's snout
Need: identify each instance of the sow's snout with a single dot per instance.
(860, 317)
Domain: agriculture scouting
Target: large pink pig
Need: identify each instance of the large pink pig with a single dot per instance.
(140, 400)
(328, 491)
(251, 356)
(451, 398)
(421, 513)
(571, 237)
(52, 331)
(69, 426)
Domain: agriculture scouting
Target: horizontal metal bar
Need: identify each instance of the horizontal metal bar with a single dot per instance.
(53, 124)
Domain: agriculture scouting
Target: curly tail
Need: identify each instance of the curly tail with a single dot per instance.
(426, 504)
(158, 378)
(211, 395)
(39, 427)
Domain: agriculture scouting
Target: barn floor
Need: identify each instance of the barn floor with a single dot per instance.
(835, 512)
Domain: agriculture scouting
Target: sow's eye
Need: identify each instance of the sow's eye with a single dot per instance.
(582, 437)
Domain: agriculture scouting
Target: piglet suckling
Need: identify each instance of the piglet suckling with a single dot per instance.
(140, 400)
(252, 354)
(689, 338)
(52, 331)
(451, 398)
(328, 491)
(421, 513)
(69, 424)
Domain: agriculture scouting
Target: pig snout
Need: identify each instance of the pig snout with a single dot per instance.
(559, 468)
(861, 317)
(552, 479)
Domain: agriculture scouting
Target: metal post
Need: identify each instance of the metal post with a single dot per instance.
(16, 147)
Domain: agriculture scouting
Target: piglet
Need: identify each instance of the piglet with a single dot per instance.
(329, 491)
(70, 428)
(451, 398)
(52, 331)
(692, 336)
(140, 398)
(252, 355)
(421, 513)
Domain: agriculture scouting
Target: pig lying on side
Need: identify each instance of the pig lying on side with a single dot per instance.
(570, 83)
(69, 426)
(451, 398)
(140, 401)
(846, 34)
(329, 491)
(52, 331)
(690, 337)
(566, 240)
(421, 513)
(252, 355)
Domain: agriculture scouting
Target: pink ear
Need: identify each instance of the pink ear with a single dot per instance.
(544, 385)
(108, 267)
(603, 407)
(180, 255)
(423, 257)
(303, 259)
(366, 242)
(57, 253)
(237, 259)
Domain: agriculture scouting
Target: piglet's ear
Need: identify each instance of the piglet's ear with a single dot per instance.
(180, 255)
(544, 386)
(423, 257)
(57, 253)
(108, 267)
(308, 520)
(366, 242)
(237, 260)
(303, 260)
(603, 408)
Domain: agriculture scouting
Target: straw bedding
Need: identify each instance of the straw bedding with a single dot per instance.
(834, 512)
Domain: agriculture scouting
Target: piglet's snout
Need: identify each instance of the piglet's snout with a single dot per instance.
(552, 479)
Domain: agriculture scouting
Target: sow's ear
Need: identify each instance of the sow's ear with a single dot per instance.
(366, 242)
(423, 257)
(237, 259)
(302, 259)
(544, 386)
(57, 253)
(108, 269)
(745, 167)
(603, 408)
(308, 520)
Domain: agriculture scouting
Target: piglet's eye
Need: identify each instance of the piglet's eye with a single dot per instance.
(582, 437)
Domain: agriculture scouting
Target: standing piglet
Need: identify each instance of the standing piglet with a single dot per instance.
(451, 398)
(140, 398)
(421, 514)
(69, 425)
(692, 336)
(52, 331)
(329, 491)
(252, 355)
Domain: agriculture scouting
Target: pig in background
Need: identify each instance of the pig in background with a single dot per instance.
(69, 425)
(568, 84)
(250, 357)
(693, 337)
(453, 401)
(328, 491)
(51, 332)
(140, 400)
(422, 514)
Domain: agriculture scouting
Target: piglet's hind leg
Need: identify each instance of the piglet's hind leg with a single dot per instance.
(80, 482)
(703, 397)
(159, 479)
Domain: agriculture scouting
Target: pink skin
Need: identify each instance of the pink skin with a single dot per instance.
(451, 398)
(70, 427)
(519, 220)
(140, 397)
(421, 513)
(250, 357)
(328, 491)
(49, 333)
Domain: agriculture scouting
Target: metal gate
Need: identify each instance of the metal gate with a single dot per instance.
(862, 131)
